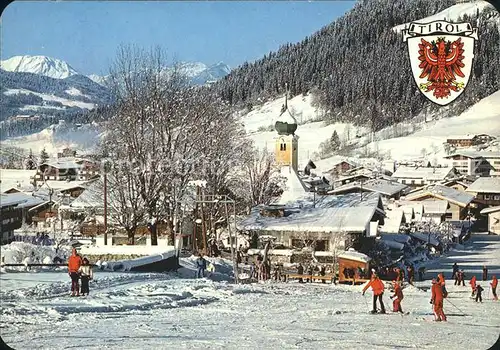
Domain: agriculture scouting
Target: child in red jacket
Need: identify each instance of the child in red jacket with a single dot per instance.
(398, 295)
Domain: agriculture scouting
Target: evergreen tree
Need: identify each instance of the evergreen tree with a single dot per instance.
(335, 140)
(44, 156)
(30, 163)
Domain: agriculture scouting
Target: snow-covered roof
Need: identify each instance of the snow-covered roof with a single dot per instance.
(64, 185)
(425, 237)
(461, 137)
(15, 178)
(422, 173)
(437, 206)
(442, 192)
(382, 186)
(330, 214)
(490, 210)
(22, 200)
(401, 238)
(351, 254)
(412, 209)
(475, 154)
(393, 220)
(64, 163)
(485, 185)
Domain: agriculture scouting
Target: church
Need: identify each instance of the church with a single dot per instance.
(305, 216)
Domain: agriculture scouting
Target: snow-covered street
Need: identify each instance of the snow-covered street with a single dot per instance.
(142, 311)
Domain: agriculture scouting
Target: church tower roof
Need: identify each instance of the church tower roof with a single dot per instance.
(286, 124)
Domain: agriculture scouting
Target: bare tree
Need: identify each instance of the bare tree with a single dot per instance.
(259, 180)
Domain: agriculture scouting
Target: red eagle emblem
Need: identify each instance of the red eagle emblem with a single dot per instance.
(441, 62)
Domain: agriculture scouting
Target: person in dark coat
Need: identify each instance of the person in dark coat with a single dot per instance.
(479, 290)
(300, 271)
(201, 265)
(485, 273)
(455, 270)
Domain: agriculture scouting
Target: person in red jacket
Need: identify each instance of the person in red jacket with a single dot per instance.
(74, 263)
(398, 295)
(472, 283)
(437, 301)
(378, 291)
(494, 283)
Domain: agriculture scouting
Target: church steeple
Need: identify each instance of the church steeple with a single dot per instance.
(286, 124)
(286, 147)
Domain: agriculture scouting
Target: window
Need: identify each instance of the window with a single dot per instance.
(283, 147)
(403, 182)
(413, 182)
(448, 215)
(497, 198)
(487, 197)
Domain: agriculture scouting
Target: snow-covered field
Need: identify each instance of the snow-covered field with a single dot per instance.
(151, 311)
(48, 97)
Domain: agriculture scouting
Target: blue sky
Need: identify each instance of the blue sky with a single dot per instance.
(87, 34)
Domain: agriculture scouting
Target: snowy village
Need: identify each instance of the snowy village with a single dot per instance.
(189, 205)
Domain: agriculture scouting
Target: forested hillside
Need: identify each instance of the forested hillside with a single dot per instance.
(358, 66)
(26, 100)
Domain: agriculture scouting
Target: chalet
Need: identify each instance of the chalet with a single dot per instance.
(16, 209)
(421, 176)
(460, 183)
(322, 220)
(458, 201)
(388, 189)
(469, 163)
(486, 190)
(67, 169)
(463, 140)
(11, 216)
(341, 167)
(493, 158)
(493, 214)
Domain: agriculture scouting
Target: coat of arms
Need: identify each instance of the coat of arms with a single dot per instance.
(441, 56)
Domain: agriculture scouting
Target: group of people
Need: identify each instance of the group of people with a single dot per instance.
(79, 269)
(438, 292)
(476, 288)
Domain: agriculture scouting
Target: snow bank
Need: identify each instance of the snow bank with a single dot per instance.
(26, 253)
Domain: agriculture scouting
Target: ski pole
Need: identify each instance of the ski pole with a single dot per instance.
(455, 306)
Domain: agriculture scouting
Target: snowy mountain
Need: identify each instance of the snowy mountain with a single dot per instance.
(47, 66)
(197, 73)
(453, 13)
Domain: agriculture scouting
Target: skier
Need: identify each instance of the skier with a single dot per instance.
(494, 283)
(455, 270)
(74, 263)
(378, 291)
(479, 290)
(461, 279)
(86, 275)
(442, 282)
(398, 295)
(472, 283)
(437, 300)
(485, 273)
(201, 265)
